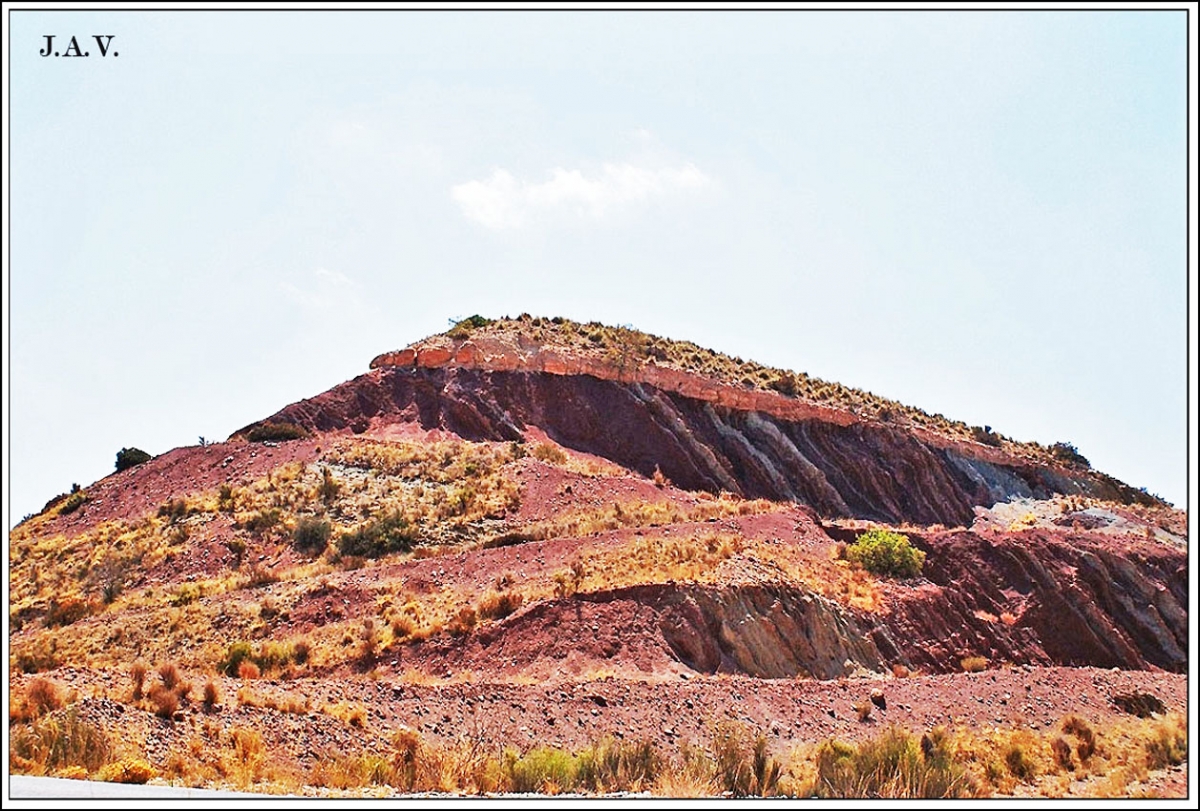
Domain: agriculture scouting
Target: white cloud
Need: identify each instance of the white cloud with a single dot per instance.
(332, 291)
(503, 201)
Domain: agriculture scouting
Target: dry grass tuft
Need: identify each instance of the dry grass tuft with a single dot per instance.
(165, 701)
(59, 741)
(212, 694)
(353, 714)
(41, 696)
(974, 664)
(137, 673)
(127, 770)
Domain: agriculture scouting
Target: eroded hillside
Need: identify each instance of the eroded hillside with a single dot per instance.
(444, 559)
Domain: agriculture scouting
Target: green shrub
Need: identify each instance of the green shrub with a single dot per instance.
(893, 766)
(463, 328)
(311, 535)
(131, 457)
(389, 533)
(238, 652)
(886, 553)
(276, 432)
(542, 769)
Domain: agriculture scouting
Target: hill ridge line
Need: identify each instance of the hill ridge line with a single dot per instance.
(489, 354)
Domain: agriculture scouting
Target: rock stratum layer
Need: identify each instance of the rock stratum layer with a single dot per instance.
(1037, 598)
(701, 434)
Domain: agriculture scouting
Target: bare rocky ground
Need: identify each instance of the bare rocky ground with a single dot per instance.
(571, 713)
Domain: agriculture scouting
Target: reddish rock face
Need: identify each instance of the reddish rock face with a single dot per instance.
(1042, 597)
(842, 469)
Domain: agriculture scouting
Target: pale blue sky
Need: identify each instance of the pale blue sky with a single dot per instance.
(980, 214)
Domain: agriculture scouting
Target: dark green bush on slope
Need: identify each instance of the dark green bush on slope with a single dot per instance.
(131, 457)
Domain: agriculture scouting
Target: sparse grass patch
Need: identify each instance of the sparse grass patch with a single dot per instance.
(58, 741)
(743, 768)
(353, 714)
(70, 610)
(551, 454)
(892, 765)
(1167, 744)
(281, 701)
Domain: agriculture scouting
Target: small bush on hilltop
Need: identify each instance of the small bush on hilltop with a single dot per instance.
(985, 435)
(1066, 452)
(463, 328)
(886, 553)
(784, 383)
(131, 457)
